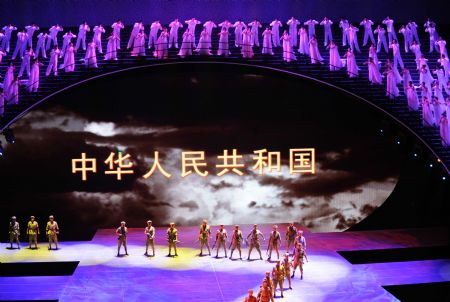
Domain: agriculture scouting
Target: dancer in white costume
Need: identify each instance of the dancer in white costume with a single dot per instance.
(137, 27)
(224, 47)
(192, 23)
(255, 25)
(293, 23)
(267, 42)
(173, 37)
(335, 58)
(352, 67)
(314, 53)
(83, 29)
(239, 27)
(275, 28)
(117, 27)
(303, 45)
(288, 51)
(326, 23)
(98, 30)
(368, 33)
(155, 27)
(186, 45)
(33, 81)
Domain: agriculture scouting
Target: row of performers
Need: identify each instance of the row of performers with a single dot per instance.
(293, 238)
(51, 232)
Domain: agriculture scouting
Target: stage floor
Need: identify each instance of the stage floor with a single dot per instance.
(101, 276)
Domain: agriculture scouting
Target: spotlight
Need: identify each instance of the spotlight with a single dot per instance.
(9, 135)
(444, 178)
(1, 149)
(415, 154)
(431, 165)
(381, 130)
(398, 142)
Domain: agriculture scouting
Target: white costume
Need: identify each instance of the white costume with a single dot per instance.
(111, 47)
(427, 113)
(226, 24)
(90, 59)
(311, 27)
(30, 32)
(413, 27)
(53, 62)
(139, 44)
(247, 49)
(368, 33)
(8, 29)
(9, 77)
(288, 51)
(335, 58)
(303, 44)
(155, 27)
(186, 45)
(191, 25)
(407, 36)
(433, 38)
(267, 42)
(239, 27)
(411, 95)
(173, 37)
(390, 29)
(396, 52)
(137, 27)
(21, 44)
(67, 38)
(326, 23)
(224, 48)
(33, 80)
(353, 38)
(208, 26)
(293, 23)
(275, 29)
(415, 48)
(374, 74)
(344, 25)
(314, 53)
(162, 46)
(82, 30)
(69, 59)
(40, 45)
(391, 85)
(381, 40)
(255, 33)
(441, 45)
(53, 36)
(26, 62)
(374, 56)
(117, 27)
(352, 67)
(202, 46)
(98, 30)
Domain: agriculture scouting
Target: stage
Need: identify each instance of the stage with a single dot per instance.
(101, 276)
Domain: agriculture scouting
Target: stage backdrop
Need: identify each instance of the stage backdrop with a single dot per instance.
(65, 12)
(206, 108)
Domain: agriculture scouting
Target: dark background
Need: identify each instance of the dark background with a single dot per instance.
(70, 13)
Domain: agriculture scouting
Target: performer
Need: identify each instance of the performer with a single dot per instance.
(69, 58)
(300, 239)
(7, 29)
(275, 30)
(299, 255)
(288, 51)
(291, 233)
(411, 95)
(14, 231)
(239, 27)
(226, 24)
(267, 42)
(53, 36)
(117, 27)
(444, 130)
(303, 45)
(172, 238)
(186, 45)
(98, 30)
(7, 81)
(326, 23)
(314, 53)
(236, 240)
(162, 45)
(224, 48)
(391, 84)
(374, 75)
(381, 40)
(53, 62)
(204, 235)
(202, 46)
(247, 49)
(433, 38)
(335, 58)
(278, 277)
(269, 282)
(26, 61)
(250, 297)
(396, 52)
(67, 39)
(173, 37)
(121, 233)
(441, 45)
(52, 231)
(415, 48)
(149, 238)
(367, 31)
(90, 58)
(428, 118)
(254, 241)
(112, 47)
(373, 55)
(21, 44)
(407, 36)
(40, 45)
(32, 232)
(191, 25)
(353, 38)
(311, 23)
(139, 44)
(265, 294)
(208, 27)
(287, 264)
(406, 78)
(293, 23)
(30, 33)
(155, 27)
(137, 28)
(33, 80)
(254, 25)
(221, 240)
(413, 27)
(390, 29)
(274, 242)
(344, 25)
(426, 77)
(82, 30)
(13, 91)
